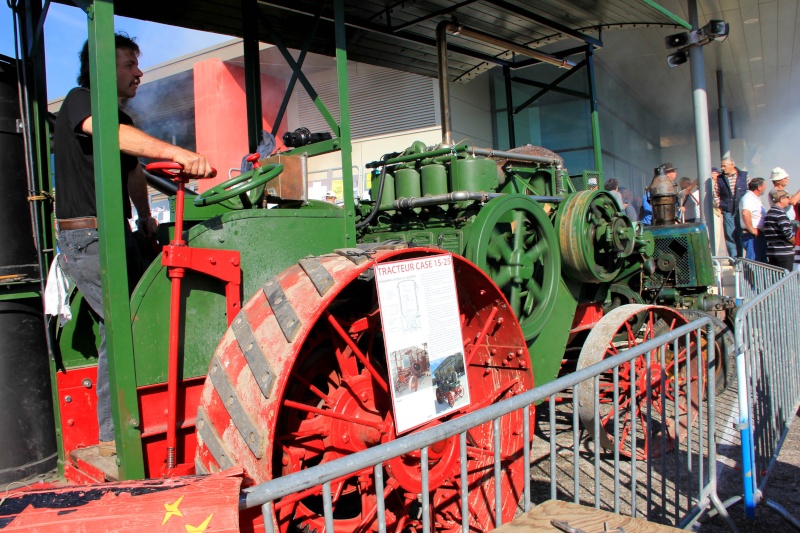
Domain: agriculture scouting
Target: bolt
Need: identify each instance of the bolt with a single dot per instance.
(482, 292)
(221, 238)
(363, 396)
(68, 399)
(212, 260)
(87, 383)
(70, 422)
(235, 261)
(494, 351)
(500, 320)
(134, 423)
(285, 460)
(346, 438)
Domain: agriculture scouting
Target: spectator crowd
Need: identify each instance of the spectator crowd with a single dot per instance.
(750, 229)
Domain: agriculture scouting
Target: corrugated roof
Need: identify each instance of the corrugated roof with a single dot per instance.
(402, 34)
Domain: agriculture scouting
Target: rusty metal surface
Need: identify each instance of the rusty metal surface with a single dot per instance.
(290, 184)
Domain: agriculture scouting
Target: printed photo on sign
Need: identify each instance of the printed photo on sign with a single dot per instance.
(422, 333)
(411, 370)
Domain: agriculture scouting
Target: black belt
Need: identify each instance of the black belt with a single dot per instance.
(67, 224)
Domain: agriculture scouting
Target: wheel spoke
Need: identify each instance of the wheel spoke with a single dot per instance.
(502, 276)
(537, 251)
(503, 248)
(364, 361)
(535, 290)
(333, 414)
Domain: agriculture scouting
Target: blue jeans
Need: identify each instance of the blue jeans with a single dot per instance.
(733, 231)
(80, 261)
(755, 247)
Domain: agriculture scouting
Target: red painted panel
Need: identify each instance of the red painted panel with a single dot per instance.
(586, 316)
(77, 399)
(153, 411)
(221, 114)
(201, 503)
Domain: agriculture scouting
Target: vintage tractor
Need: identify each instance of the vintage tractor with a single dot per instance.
(297, 375)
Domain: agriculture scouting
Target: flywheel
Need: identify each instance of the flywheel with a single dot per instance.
(300, 378)
(594, 236)
(513, 240)
(648, 392)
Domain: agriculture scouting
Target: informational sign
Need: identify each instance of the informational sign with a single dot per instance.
(422, 332)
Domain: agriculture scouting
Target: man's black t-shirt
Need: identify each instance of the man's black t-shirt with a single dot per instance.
(74, 159)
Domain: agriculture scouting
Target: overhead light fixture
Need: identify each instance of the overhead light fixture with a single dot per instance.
(715, 30)
(751, 21)
(757, 58)
(757, 85)
(761, 105)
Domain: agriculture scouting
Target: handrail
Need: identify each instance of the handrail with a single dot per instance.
(271, 490)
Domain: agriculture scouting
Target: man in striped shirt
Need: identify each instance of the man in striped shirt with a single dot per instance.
(778, 231)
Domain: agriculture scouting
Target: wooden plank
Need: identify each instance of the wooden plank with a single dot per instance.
(588, 519)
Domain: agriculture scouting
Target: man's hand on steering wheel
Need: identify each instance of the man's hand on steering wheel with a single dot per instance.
(194, 165)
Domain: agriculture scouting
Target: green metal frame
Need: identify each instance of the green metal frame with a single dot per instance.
(113, 267)
(588, 63)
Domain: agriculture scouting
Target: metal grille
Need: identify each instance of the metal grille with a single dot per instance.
(580, 181)
(381, 101)
(682, 275)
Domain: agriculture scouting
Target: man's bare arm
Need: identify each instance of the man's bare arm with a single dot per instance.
(747, 219)
(135, 142)
(793, 199)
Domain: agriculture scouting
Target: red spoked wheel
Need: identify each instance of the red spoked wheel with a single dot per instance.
(326, 396)
(646, 419)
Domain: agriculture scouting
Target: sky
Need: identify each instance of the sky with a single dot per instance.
(66, 30)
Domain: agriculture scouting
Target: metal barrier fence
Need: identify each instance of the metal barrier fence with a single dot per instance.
(768, 372)
(751, 278)
(670, 476)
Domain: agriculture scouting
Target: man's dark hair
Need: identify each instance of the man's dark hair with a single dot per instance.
(755, 183)
(121, 41)
(612, 184)
(684, 180)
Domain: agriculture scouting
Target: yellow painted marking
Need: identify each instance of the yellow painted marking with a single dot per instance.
(172, 510)
(202, 527)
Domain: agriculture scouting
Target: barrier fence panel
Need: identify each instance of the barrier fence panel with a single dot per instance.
(654, 457)
(751, 278)
(768, 372)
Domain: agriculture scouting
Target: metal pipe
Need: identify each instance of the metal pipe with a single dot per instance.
(512, 156)
(512, 138)
(508, 45)
(415, 157)
(594, 116)
(444, 82)
(724, 118)
(173, 357)
(441, 54)
(701, 129)
(461, 196)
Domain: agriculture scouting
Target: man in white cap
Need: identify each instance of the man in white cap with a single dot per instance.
(780, 179)
(330, 197)
(592, 183)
